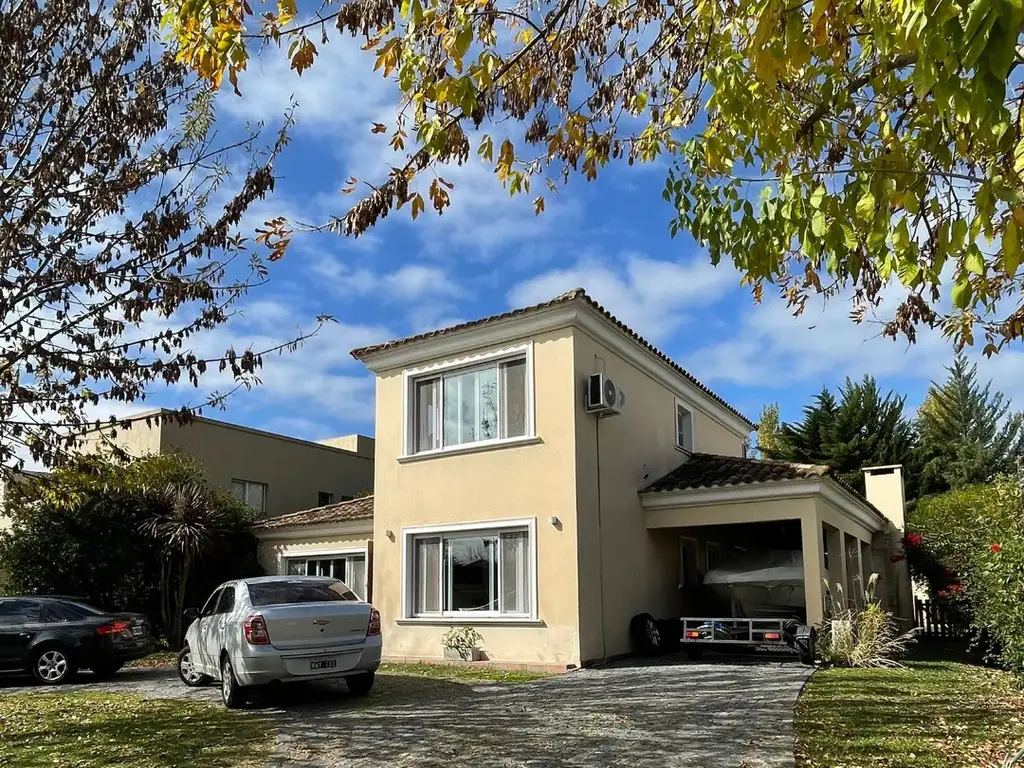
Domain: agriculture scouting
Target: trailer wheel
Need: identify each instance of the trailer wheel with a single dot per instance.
(670, 634)
(647, 638)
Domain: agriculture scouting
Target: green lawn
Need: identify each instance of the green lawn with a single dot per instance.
(89, 730)
(461, 673)
(931, 714)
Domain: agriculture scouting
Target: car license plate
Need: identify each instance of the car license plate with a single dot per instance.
(323, 664)
(137, 631)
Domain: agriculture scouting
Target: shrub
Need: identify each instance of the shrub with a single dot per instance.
(971, 556)
(88, 530)
(861, 637)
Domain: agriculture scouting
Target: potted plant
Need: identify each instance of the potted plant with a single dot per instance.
(462, 644)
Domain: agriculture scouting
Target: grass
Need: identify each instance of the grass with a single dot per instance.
(454, 672)
(89, 730)
(461, 673)
(931, 714)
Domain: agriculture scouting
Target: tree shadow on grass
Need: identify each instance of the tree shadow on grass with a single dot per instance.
(89, 730)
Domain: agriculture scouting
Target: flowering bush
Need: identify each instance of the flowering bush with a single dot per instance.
(968, 547)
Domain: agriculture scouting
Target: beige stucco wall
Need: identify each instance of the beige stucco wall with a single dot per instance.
(140, 439)
(293, 470)
(640, 567)
(525, 481)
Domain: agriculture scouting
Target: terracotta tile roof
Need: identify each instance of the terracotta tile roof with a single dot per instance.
(342, 512)
(708, 470)
(576, 294)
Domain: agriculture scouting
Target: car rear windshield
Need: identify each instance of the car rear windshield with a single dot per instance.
(298, 591)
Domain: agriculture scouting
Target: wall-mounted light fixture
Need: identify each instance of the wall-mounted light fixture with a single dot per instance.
(555, 522)
(390, 534)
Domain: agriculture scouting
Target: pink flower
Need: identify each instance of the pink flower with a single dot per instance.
(943, 594)
(956, 589)
(996, 548)
(912, 540)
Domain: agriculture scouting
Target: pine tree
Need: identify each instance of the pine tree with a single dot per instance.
(860, 429)
(968, 434)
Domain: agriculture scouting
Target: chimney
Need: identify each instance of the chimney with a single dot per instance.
(883, 487)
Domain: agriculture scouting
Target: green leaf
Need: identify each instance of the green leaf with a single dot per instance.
(1011, 248)
(818, 225)
(866, 207)
(961, 294)
(958, 233)
(974, 261)
(817, 197)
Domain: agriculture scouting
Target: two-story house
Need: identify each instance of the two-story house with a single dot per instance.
(510, 498)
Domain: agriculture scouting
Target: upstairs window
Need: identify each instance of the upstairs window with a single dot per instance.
(253, 495)
(323, 498)
(475, 404)
(684, 428)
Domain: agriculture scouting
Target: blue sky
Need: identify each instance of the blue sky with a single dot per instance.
(489, 253)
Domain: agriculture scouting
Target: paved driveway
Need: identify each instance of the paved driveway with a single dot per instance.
(696, 715)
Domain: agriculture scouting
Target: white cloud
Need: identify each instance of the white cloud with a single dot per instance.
(410, 282)
(653, 297)
(340, 90)
(772, 350)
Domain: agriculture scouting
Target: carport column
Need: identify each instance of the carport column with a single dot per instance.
(814, 566)
(837, 564)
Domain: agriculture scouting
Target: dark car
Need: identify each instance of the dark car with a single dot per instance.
(54, 637)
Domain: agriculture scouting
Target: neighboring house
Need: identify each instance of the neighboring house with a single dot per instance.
(502, 501)
(274, 474)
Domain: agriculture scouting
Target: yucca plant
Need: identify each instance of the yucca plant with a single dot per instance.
(860, 637)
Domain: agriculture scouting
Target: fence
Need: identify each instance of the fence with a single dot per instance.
(936, 620)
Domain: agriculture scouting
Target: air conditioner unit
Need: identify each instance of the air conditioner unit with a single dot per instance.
(603, 397)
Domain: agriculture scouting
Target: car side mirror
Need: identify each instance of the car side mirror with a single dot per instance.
(191, 614)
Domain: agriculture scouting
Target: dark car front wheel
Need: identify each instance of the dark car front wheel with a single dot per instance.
(53, 665)
(645, 634)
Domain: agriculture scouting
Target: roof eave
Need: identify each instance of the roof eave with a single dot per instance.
(860, 509)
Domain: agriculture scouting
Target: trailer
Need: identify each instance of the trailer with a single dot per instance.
(779, 635)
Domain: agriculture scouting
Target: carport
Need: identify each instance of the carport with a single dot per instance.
(717, 502)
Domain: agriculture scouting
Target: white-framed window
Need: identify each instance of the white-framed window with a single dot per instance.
(484, 399)
(253, 495)
(350, 567)
(684, 428)
(486, 570)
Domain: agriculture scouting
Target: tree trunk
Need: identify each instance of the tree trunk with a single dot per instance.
(183, 576)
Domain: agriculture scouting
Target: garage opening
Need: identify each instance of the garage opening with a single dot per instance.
(742, 570)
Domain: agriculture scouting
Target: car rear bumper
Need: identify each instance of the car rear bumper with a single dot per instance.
(115, 654)
(263, 665)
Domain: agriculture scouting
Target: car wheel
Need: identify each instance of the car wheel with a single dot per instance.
(53, 665)
(360, 685)
(647, 638)
(187, 671)
(105, 671)
(231, 693)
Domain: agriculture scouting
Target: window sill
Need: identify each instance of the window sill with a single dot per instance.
(490, 445)
(444, 621)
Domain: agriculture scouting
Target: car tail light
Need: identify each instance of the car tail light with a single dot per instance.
(374, 628)
(772, 636)
(255, 628)
(113, 628)
(691, 635)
